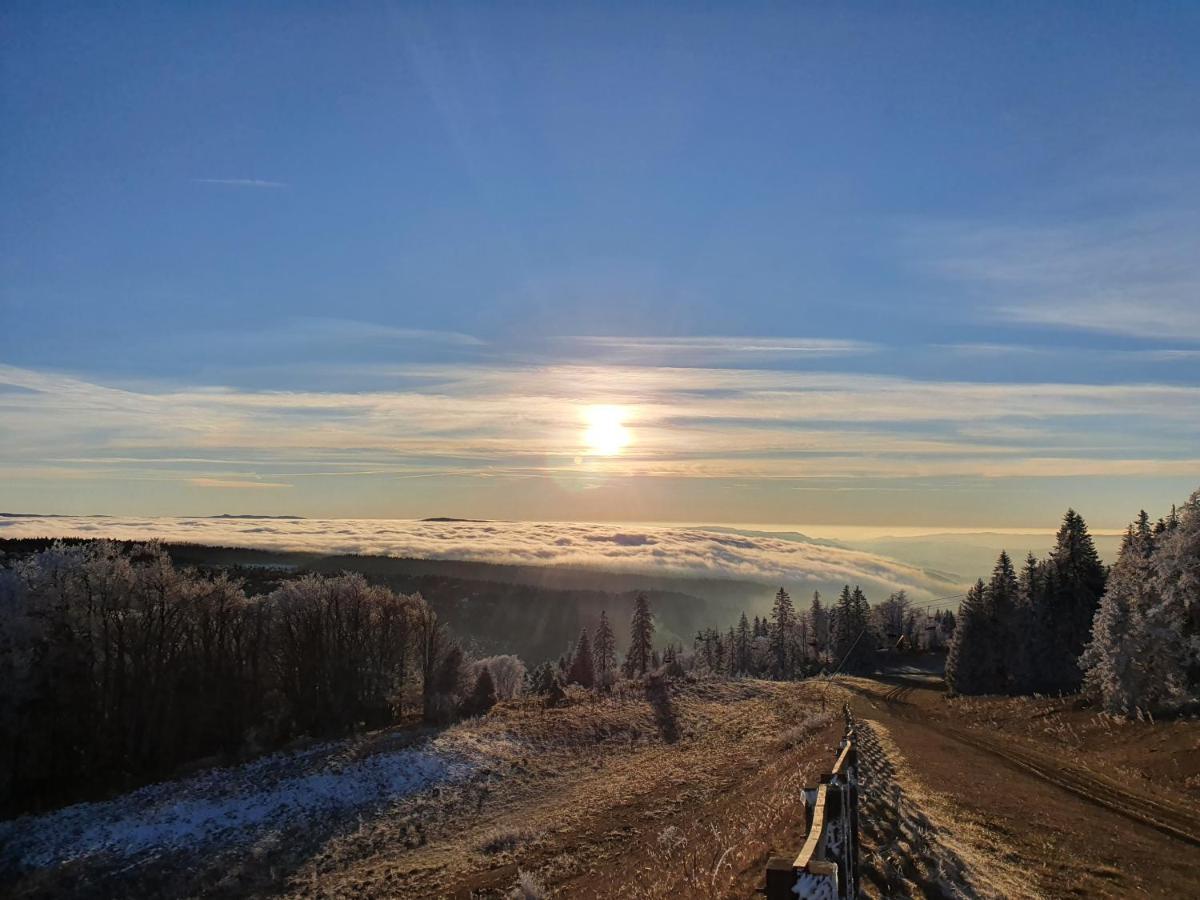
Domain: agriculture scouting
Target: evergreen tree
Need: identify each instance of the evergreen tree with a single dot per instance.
(949, 622)
(583, 670)
(604, 650)
(968, 666)
(639, 659)
(1008, 648)
(854, 648)
(819, 620)
(545, 682)
(843, 622)
(862, 643)
(742, 643)
(1115, 660)
(782, 635)
(483, 697)
(1173, 622)
(1074, 585)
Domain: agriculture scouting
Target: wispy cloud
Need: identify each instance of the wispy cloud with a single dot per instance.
(715, 350)
(529, 421)
(1136, 275)
(236, 484)
(242, 182)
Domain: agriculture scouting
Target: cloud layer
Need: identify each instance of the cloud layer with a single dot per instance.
(655, 549)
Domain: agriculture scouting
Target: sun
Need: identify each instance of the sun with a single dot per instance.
(605, 435)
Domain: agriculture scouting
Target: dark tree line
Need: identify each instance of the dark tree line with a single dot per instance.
(790, 644)
(1021, 633)
(116, 666)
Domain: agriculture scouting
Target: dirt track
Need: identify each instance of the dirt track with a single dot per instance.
(1030, 820)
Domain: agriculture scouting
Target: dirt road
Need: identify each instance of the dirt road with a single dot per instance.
(1026, 816)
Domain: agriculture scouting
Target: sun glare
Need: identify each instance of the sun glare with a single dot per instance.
(605, 435)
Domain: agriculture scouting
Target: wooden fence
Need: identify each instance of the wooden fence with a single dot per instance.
(827, 866)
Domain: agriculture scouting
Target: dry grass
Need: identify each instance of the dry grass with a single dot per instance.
(679, 791)
(502, 840)
(528, 888)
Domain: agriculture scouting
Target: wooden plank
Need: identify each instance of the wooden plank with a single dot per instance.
(845, 758)
(816, 830)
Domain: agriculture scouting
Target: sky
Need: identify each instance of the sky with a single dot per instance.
(932, 266)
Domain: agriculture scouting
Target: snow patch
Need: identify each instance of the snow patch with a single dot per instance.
(234, 804)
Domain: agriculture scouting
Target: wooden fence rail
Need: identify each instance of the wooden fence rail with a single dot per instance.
(827, 866)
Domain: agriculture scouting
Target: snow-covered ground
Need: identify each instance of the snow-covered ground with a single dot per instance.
(238, 804)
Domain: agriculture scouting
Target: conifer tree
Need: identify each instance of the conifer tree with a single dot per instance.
(968, 667)
(820, 626)
(1116, 658)
(483, 697)
(843, 621)
(782, 635)
(1173, 622)
(604, 650)
(583, 670)
(741, 653)
(639, 659)
(853, 647)
(1073, 587)
(1008, 648)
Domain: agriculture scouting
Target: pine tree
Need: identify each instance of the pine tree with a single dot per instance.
(1008, 652)
(968, 667)
(639, 659)
(583, 670)
(782, 635)
(853, 646)
(819, 619)
(604, 650)
(742, 642)
(1113, 662)
(843, 622)
(1173, 622)
(1074, 584)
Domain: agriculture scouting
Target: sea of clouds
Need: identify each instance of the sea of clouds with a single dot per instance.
(657, 549)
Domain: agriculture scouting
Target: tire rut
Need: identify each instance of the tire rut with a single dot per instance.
(1137, 807)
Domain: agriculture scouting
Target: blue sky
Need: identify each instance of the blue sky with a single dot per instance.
(844, 263)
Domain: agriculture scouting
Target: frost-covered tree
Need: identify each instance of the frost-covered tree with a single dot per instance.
(1114, 661)
(508, 675)
(604, 651)
(1173, 623)
(892, 616)
(1145, 648)
(640, 658)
